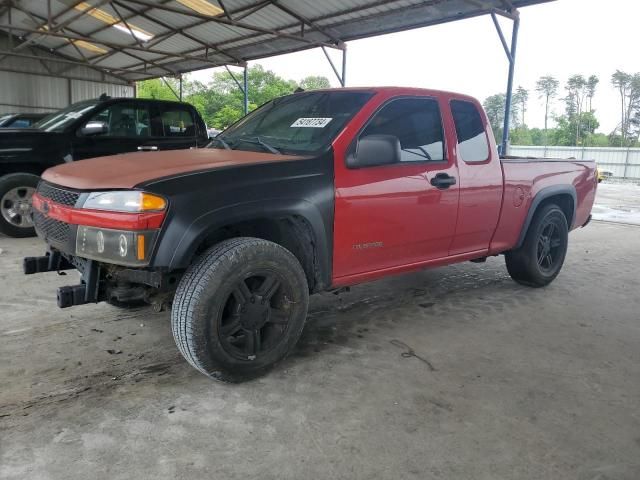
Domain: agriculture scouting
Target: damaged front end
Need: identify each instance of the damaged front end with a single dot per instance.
(108, 237)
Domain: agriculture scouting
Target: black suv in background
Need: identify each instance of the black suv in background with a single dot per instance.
(87, 129)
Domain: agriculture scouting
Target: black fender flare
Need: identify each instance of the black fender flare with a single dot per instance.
(179, 243)
(540, 197)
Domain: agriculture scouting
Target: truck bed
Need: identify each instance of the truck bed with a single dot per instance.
(526, 177)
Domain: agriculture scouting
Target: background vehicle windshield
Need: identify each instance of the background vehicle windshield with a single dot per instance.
(4, 118)
(60, 120)
(302, 123)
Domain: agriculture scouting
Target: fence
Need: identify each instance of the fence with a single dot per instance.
(621, 162)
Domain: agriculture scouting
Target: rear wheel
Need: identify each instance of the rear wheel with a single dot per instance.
(240, 308)
(16, 190)
(539, 260)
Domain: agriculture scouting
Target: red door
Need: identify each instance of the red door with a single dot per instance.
(480, 179)
(391, 216)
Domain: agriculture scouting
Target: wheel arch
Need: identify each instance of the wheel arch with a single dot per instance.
(564, 196)
(297, 225)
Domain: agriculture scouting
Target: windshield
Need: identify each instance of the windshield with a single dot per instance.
(4, 118)
(303, 123)
(60, 120)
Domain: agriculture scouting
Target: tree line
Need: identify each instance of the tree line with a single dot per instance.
(577, 124)
(220, 101)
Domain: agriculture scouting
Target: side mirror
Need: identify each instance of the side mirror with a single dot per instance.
(374, 150)
(94, 128)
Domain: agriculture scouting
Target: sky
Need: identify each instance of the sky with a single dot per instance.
(560, 38)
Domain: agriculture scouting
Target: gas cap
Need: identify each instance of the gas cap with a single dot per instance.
(518, 196)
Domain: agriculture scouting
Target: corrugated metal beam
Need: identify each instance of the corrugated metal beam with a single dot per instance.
(306, 21)
(251, 10)
(50, 20)
(91, 62)
(378, 3)
(181, 32)
(114, 45)
(72, 62)
(60, 74)
(417, 24)
(233, 23)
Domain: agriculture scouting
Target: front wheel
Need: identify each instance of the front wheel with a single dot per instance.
(240, 308)
(539, 260)
(16, 190)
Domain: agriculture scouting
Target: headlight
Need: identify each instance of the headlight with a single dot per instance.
(120, 247)
(125, 201)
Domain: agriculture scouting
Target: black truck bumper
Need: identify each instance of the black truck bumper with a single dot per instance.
(88, 291)
(101, 282)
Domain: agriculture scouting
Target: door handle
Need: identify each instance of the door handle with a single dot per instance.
(442, 181)
(147, 148)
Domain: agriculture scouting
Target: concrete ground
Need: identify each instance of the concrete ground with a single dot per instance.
(526, 383)
(618, 201)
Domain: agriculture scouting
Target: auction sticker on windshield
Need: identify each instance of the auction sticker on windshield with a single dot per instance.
(308, 122)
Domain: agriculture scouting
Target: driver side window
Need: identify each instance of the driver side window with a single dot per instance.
(417, 124)
(120, 120)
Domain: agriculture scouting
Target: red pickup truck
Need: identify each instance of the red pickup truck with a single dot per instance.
(310, 192)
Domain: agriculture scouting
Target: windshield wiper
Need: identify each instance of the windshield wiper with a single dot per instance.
(259, 141)
(222, 142)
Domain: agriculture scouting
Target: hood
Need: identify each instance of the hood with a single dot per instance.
(131, 169)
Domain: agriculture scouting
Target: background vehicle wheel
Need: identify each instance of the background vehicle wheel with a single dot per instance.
(539, 260)
(240, 308)
(16, 190)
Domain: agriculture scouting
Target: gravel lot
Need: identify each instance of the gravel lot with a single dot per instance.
(526, 383)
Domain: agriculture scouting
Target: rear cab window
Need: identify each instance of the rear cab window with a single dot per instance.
(177, 122)
(473, 145)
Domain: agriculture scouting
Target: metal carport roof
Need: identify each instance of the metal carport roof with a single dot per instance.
(138, 39)
(131, 40)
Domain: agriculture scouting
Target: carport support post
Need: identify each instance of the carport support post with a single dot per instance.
(511, 56)
(180, 87)
(245, 89)
(343, 80)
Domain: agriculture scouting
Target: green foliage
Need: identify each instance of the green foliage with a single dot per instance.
(547, 88)
(314, 82)
(158, 89)
(220, 101)
(521, 136)
(576, 127)
(494, 107)
(628, 86)
(519, 108)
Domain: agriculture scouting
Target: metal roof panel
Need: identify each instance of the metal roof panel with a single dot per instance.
(253, 29)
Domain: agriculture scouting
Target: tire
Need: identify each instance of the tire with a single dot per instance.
(240, 308)
(15, 204)
(540, 258)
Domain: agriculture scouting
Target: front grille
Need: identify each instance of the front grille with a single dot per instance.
(58, 195)
(51, 229)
